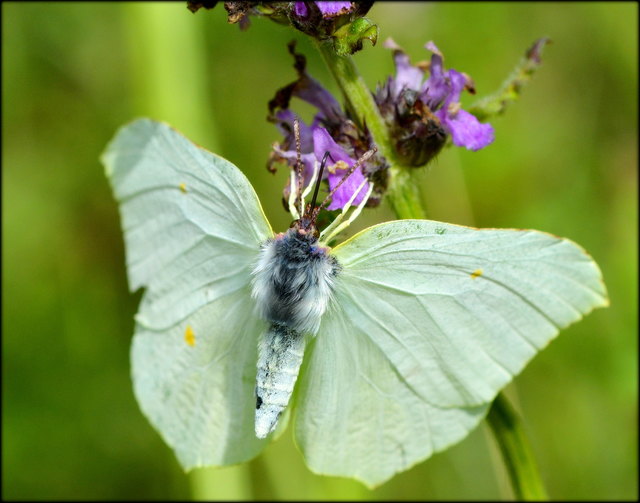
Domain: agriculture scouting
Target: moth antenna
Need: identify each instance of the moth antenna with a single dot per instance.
(299, 167)
(364, 157)
(318, 180)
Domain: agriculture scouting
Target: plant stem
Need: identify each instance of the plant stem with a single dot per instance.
(512, 87)
(403, 195)
(359, 99)
(516, 452)
(404, 199)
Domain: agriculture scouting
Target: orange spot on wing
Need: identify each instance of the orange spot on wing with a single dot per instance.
(183, 188)
(189, 336)
(476, 273)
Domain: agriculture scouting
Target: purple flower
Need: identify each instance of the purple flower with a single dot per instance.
(421, 113)
(331, 130)
(442, 92)
(407, 76)
(322, 143)
(287, 149)
(322, 19)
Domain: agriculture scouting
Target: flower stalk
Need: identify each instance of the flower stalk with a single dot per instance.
(516, 452)
(402, 194)
(359, 100)
(405, 201)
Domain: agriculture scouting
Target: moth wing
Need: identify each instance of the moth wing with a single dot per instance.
(429, 322)
(193, 226)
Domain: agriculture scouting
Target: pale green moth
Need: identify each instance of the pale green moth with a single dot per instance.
(425, 322)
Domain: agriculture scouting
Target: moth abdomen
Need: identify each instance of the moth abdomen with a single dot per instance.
(279, 358)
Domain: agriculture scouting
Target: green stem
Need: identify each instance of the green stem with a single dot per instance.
(404, 199)
(359, 99)
(516, 452)
(403, 195)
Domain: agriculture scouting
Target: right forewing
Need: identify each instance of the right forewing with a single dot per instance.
(429, 322)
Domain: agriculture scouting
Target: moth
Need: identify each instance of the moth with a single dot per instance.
(401, 336)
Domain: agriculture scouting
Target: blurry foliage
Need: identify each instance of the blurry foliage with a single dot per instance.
(564, 161)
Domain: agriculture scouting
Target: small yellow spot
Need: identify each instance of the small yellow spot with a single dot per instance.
(476, 273)
(189, 336)
(183, 188)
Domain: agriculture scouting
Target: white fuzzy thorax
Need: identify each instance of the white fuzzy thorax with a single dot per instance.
(316, 281)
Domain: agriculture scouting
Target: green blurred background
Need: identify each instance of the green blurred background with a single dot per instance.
(564, 161)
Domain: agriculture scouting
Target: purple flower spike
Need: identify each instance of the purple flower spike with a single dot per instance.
(322, 143)
(287, 151)
(307, 89)
(331, 130)
(341, 22)
(421, 115)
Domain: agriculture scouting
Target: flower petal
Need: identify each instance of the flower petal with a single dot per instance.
(437, 87)
(285, 125)
(347, 189)
(308, 160)
(407, 75)
(300, 9)
(330, 9)
(457, 82)
(466, 130)
(322, 143)
(310, 90)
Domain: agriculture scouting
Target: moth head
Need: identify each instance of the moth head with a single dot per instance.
(308, 213)
(306, 225)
